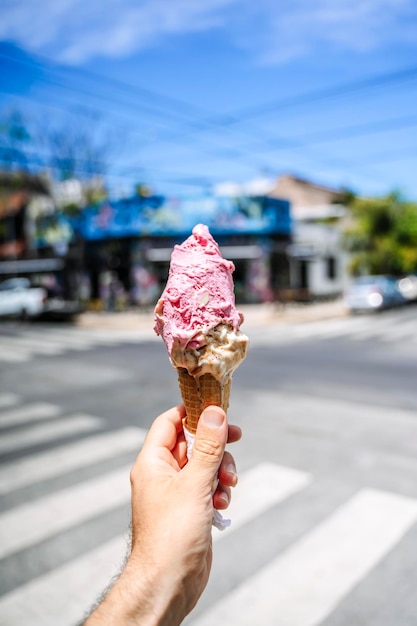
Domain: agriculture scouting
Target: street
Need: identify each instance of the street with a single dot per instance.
(324, 518)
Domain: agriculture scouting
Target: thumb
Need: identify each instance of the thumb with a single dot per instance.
(209, 444)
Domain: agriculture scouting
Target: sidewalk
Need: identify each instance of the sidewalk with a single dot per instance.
(255, 315)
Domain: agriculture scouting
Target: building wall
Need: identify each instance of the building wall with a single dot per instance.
(318, 246)
(302, 193)
(316, 258)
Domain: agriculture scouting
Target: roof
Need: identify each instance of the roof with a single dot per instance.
(23, 181)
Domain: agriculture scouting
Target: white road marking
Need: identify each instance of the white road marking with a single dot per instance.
(357, 329)
(8, 399)
(66, 458)
(13, 355)
(259, 489)
(64, 595)
(27, 413)
(304, 585)
(292, 332)
(57, 512)
(43, 433)
(119, 336)
(32, 345)
(62, 340)
(406, 330)
(378, 327)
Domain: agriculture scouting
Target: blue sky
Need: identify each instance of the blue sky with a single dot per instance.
(195, 93)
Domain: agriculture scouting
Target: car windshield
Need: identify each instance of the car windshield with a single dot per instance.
(14, 283)
(369, 280)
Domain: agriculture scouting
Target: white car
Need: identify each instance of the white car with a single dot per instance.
(18, 298)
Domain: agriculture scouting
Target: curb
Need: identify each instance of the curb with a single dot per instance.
(255, 315)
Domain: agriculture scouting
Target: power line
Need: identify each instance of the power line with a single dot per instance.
(174, 135)
(125, 171)
(356, 130)
(311, 138)
(166, 103)
(335, 91)
(389, 157)
(197, 124)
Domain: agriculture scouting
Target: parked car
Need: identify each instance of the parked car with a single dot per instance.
(18, 298)
(373, 293)
(60, 309)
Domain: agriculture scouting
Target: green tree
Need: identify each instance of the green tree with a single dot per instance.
(382, 235)
(68, 146)
(15, 137)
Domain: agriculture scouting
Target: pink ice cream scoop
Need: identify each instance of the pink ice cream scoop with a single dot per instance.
(199, 293)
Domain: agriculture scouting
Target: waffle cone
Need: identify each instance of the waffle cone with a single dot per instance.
(199, 392)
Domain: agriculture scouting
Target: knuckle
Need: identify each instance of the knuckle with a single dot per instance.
(135, 472)
(208, 447)
(132, 476)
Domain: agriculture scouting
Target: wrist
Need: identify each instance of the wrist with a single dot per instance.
(142, 596)
(158, 600)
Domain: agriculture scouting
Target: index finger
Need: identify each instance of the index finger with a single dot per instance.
(235, 433)
(165, 429)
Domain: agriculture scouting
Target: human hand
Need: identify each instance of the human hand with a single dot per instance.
(172, 511)
(172, 499)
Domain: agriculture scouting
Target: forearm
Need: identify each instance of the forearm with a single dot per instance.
(141, 597)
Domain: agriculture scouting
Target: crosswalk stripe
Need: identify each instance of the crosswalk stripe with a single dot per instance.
(377, 327)
(69, 457)
(57, 512)
(44, 433)
(316, 330)
(403, 330)
(32, 345)
(342, 327)
(83, 334)
(63, 341)
(55, 341)
(114, 336)
(111, 335)
(388, 328)
(356, 327)
(259, 489)
(304, 585)
(14, 355)
(65, 594)
(8, 399)
(27, 413)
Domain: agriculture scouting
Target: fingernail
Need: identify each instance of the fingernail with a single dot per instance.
(213, 418)
(225, 497)
(231, 469)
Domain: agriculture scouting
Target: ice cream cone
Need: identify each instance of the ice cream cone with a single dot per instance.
(199, 392)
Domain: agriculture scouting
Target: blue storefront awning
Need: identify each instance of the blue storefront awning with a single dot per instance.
(178, 216)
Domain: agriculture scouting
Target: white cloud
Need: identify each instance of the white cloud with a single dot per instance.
(76, 30)
(300, 27)
(273, 30)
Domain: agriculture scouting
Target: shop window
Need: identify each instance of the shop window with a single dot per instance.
(331, 267)
(303, 274)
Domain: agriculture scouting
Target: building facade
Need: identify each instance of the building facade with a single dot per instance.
(128, 243)
(317, 262)
(285, 243)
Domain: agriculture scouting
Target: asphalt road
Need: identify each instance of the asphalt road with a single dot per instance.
(325, 531)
